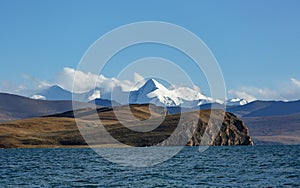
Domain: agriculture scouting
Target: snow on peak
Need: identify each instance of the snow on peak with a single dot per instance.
(39, 97)
(151, 89)
(95, 95)
(236, 102)
(152, 85)
(154, 92)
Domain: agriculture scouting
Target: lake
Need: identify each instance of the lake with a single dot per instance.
(235, 166)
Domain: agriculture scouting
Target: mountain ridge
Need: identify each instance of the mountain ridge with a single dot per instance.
(152, 91)
(13, 107)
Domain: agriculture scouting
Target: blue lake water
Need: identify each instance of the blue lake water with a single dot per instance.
(239, 166)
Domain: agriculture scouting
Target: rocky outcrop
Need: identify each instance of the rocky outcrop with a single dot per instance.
(205, 127)
(231, 132)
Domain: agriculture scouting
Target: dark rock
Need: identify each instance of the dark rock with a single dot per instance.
(232, 132)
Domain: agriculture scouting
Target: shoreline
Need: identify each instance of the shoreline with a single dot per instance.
(119, 146)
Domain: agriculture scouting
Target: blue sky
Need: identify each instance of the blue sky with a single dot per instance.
(256, 43)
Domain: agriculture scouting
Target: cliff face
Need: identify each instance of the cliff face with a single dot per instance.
(232, 132)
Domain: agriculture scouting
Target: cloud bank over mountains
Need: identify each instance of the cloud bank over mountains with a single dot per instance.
(286, 92)
(84, 82)
(88, 81)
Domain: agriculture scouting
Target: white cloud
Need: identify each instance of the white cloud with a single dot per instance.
(8, 87)
(295, 82)
(95, 95)
(242, 95)
(29, 86)
(286, 92)
(86, 81)
(139, 80)
(35, 83)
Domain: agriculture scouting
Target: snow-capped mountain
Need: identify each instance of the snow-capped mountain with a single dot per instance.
(52, 93)
(151, 92)
(154, 92)
(58, 93)
(236, 102)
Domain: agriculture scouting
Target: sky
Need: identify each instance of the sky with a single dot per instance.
(256, 43)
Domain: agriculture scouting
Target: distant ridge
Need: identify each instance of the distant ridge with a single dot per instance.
(267, 108)
(54, 93)
(14, 107)
(151, 92)
(105, 102)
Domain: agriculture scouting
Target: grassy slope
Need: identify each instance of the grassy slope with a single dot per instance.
(61, 130)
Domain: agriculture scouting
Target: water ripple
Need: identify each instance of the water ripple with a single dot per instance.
(258, 166)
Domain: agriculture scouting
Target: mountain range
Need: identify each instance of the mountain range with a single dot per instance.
(269, 122)
(151, 92)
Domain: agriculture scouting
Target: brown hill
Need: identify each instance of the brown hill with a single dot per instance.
(61, 130)
(284, 129)
(13, 107)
